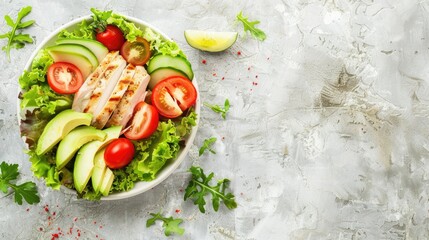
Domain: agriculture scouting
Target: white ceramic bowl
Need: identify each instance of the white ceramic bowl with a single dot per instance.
(169, 168)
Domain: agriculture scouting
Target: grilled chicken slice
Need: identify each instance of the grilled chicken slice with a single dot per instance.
(103, 111)
(105, 84)
(81, 98)
(134, 94)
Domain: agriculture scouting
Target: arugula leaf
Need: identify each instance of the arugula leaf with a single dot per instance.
(218, 109)
(250, 26)
(199, 187)
(171, 225)
(17, 40)
(207, 146)
(27, 190)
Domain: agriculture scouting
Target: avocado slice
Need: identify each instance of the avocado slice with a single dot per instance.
(107, 182)
(74, 140)
(99, 170)
(58, 127)
(77, 55)
(84, 163)
(96, 47)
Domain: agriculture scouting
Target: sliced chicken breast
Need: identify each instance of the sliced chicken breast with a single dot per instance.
(81, 98)
(105, 84)
(134, 94)
(103, 111)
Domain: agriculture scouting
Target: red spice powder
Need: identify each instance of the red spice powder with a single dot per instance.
(203, 61)
(238, 53)
(177, 210)
(223, 78)
(214, 74)
(55, 236)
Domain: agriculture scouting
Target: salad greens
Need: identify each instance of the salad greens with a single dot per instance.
(28, 190)
(40, 104)
(218, 109)
(170, 224)
(199, 187)
(250, 26)
(17, 40)
(207, 145)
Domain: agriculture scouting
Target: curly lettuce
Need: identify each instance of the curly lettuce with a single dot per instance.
(38, 70)
(84, 30)
(160, 45)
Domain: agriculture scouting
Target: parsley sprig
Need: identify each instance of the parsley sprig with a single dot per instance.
(207, 144)
(250, 26)
(171, 225)
(199, 187)
(218, 109)
(9, 173)
(17, 40)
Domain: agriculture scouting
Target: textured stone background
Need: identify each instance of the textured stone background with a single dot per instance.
(327, 137)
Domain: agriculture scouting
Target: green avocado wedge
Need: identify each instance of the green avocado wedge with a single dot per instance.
(84, 163)
(74, 141)
(58, 127)
(99, 170)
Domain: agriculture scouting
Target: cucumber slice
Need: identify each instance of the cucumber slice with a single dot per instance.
(177, 62)
(75, 49)
(97, 48)
(163, 73)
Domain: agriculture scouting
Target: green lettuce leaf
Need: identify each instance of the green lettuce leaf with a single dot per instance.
(84, 30)
(43, 98)
(38, 71)
(160, 45)
(44, 167)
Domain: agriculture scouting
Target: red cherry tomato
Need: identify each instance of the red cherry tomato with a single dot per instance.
(173, 95)
(64, 78)
(144, 122)
(112, 37)
(119, 153)
(137, 52)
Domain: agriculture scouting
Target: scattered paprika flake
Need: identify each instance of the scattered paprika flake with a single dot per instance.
(214, 74)
(177, 210)
(223, 78)
(203, 61)
(238, 53)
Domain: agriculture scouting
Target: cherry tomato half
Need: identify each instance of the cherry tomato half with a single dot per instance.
(144, 122)
(119, 153)
(112, 37)
(137, 52)
(64, 78)
(173, 95)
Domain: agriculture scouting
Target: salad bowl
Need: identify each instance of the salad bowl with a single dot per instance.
(139, 186)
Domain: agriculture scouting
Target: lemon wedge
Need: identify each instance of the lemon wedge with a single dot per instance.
(210, 41)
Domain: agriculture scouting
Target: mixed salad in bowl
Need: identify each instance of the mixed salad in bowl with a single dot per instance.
(108, 107)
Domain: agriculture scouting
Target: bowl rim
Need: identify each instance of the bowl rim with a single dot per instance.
(166, 171)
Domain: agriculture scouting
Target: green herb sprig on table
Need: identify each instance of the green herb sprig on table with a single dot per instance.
(218, 109)
(8, 174)
(207, 144)
(171, 225)
(250, 26)
(199, 187)
(17, 40)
